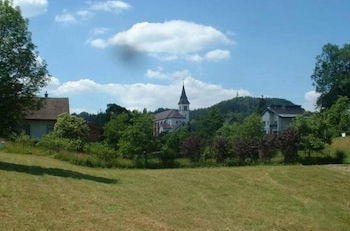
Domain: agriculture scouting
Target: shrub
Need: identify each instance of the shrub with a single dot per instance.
(71, 127)
(221, 147)
(192, 147)
(247, 150)
(101, 151)
(288, 142)
(52, 142)
(24, 139)
(268, 147)
(80, 159)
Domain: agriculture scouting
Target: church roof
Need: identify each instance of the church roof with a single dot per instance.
(168, 114)
(183, 98)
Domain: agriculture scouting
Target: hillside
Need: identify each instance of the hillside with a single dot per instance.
(40, 193)
(239, 107)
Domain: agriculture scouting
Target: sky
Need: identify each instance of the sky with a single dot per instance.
(139, 53)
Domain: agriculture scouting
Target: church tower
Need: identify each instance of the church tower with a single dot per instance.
(184, 105)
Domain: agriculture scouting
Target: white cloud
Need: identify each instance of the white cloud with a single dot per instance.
(159, 74)
(171, 38)
(99, 31)
(152, 96)
(214, 55)
(66, 17)
(110, 6)
(310, 100)
(84, 14)
(31, 8)
(217, 55)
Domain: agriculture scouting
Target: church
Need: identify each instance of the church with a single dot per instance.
(170, 120)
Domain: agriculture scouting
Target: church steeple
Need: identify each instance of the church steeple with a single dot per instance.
(183, 98)
(184, 105)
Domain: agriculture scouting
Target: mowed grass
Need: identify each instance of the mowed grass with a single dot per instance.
(41, 193)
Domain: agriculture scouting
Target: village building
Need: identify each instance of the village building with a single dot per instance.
(277, 118)
(40, 122)
(170, 120)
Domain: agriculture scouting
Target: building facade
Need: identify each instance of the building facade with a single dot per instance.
(170, 120)
(277, 118)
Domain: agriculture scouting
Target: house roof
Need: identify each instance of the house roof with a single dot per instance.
(51, 108)
(288, 111)
(168, 114)
(183, 98)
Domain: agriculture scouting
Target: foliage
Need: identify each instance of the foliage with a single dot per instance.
(288, 142)
(338, 116)
(236, 109)
(222, 148)
(192, 147)
(71, 127)
(250, 128)
(101, 151)
(171, 147)
(114, 129)
(247, 150)
(22, 72)
(268, 147)
(332, 74)
(137, 139)
(52, 142)
(208, 123)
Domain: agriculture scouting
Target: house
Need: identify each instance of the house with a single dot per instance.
(170, 120)
(277, 118)
(39, 123)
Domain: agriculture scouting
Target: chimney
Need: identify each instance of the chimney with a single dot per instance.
(46, 95)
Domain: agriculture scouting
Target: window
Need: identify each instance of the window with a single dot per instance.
(185, 108)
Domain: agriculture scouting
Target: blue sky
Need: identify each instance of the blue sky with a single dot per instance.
(138, 53)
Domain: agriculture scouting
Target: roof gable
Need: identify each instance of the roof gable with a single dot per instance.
(286, 111)
(168, 114)
(183, 98)
(51, 108)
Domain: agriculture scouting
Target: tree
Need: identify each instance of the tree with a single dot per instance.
(209, 123)
(137, 139)
(114, 129)
(71, 127)
(22, 72)
(332, 74)
(338, 116)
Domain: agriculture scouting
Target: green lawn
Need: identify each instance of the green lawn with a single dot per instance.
(41, 193)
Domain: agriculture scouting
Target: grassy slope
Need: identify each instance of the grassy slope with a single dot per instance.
(43, 193)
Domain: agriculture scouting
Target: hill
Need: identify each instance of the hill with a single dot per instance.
(41, 193)
(240, 107)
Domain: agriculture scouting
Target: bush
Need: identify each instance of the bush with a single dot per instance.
(247, 150)
(101, 151)
(80, 159)
(192, 147)
(52, 142)
(338, 158)
(222, 148)
(71, 127)
(24, 139)
(268, 147)
(288, 142)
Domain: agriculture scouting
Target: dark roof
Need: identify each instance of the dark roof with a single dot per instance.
(168, 114)
(51, 108)
(183, 98)
(286, 111)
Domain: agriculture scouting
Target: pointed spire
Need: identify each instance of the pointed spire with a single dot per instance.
(183, 98)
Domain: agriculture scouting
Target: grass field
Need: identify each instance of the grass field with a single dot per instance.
(41, 193)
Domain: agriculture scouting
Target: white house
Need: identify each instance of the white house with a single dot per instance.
(171, 120)
(277, 118)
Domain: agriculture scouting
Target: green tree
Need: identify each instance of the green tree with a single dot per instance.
(71, 127)
(114, 129)
(332, 74)
(22, 72)
(338, 116)
(137, 139)
(209, 123)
